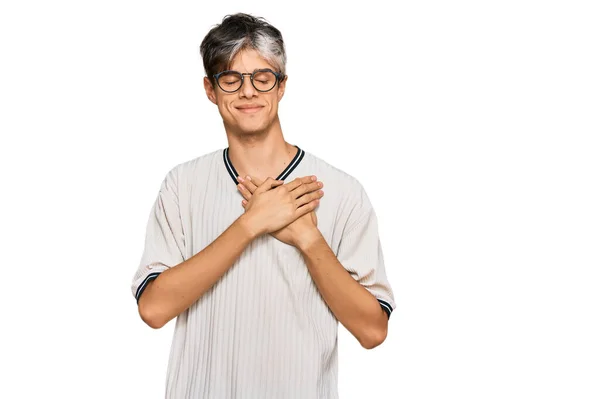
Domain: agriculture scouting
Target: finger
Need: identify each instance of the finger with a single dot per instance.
(244, 191)
(306, 198)
(298, 181)
(303, 210)
(251, 184)
(267, 185)
(306, 188)
(244, 203)
(257, 182)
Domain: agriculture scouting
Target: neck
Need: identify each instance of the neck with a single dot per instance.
(260, 155)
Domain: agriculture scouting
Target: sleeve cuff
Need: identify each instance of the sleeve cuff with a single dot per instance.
(386, 307)
(144, 284)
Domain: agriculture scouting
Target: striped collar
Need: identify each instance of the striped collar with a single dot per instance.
(282, 176)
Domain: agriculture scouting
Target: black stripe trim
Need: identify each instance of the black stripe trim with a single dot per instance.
(295, 161)
(144, 284)
(386, 307)
(229, 166)
(286, 172)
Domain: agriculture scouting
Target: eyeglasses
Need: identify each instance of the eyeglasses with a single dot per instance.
(263, 80)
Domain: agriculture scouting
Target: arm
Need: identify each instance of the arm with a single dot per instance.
(175, 289)
(355, 307)
(166, 283)
(352, 282)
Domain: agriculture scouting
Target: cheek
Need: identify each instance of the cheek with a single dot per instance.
(274, 102)
(224, 108)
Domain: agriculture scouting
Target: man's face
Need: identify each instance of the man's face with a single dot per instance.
(247, 110)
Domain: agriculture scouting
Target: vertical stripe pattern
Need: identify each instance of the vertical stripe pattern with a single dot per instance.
(263, 330)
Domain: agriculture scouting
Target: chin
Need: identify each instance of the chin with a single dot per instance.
(252, 128)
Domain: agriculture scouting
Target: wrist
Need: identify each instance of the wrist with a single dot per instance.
(306, 240)
(248, 226)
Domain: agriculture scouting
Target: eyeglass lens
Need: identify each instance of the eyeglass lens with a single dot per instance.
(261, 80)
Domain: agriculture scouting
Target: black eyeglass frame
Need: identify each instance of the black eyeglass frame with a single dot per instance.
(278, 78)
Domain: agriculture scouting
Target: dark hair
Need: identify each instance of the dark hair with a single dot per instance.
(239, 32)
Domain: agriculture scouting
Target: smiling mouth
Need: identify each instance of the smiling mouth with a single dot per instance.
(249, 110)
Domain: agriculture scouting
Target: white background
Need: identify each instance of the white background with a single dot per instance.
(472, 125)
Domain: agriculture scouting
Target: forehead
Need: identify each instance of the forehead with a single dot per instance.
(249, 60)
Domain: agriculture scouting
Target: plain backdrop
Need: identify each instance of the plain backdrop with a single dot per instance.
(472, 125)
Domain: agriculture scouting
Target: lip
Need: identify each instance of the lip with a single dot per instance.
(249, 108)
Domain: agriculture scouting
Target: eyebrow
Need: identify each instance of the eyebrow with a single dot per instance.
(255, 69)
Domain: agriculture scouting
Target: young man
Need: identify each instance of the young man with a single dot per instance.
(259, 270)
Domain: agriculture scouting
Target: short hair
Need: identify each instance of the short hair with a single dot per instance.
(240, 32)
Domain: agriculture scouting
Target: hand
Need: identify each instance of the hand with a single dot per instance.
(274, 205)
(302, 226)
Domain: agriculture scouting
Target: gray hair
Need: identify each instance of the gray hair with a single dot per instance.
(240, 32)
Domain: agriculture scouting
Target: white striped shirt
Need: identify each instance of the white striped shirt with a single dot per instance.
(263, 330)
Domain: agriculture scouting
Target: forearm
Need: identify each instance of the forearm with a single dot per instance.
(355, 307)
(177, 288)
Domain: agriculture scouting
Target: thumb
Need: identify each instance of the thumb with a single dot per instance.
(267, 185)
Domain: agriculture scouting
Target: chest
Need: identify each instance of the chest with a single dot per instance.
(207, 213)
(269, 277)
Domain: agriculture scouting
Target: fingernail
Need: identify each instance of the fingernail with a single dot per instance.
(313, 178)
(240, 178)
(248, 177)
(320, 184)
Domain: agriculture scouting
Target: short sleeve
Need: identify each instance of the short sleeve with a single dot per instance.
(164, 243)
(361, 254)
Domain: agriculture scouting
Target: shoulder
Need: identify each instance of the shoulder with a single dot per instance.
(334, 177)
(201, 162)
(345, 195)
(185, 172)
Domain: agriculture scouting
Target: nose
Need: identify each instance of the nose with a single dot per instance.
(247, 90)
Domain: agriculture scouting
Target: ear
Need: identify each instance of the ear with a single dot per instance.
(210, 90)
(281, 88)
